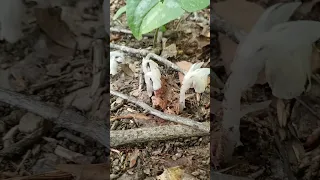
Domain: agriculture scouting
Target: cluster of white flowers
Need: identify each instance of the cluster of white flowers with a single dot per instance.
(196, 77)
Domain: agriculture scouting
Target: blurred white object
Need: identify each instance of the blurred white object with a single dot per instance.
(152, 75)
(106, 14)
(196, 78)
(116, 57)
(11, 13)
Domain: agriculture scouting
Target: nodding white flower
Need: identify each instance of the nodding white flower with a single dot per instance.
(196, 78)
(116, 57)
(152, 75)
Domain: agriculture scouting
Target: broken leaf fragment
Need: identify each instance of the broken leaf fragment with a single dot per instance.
(116, 57)
(196, 78)
(173, 173)
(152, 75)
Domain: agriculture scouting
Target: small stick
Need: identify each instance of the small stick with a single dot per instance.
(25, 157)
(176, 119)
(19, 147)
(143, 52)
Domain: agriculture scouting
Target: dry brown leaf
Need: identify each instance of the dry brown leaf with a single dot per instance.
(169, 51)
(184, 65)
(87, 172)
(126, 69)
(160, 97)
(133, 158)
(313, 140)
(49, 21)
(57, 50)
(183, 161)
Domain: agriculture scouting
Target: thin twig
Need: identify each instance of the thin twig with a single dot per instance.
(25, 157)
(176, 119)
(143, 53)
(19, 147)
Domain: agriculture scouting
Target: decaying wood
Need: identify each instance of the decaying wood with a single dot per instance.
(149, 134)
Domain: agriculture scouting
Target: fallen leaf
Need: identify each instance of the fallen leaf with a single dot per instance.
(126, 69)
(169, 51)
(184, 65)
(160, 97)
(133, 158)
(57, 50)
(313, 140)
(87, 172)
(174, 173)
(49, 21)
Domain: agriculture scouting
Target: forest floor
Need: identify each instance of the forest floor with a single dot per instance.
(53, 110)
(186, 41)
(280, 141)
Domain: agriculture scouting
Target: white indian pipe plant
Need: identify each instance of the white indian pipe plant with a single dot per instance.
(152, 75)
(196, 78)
(116, 57)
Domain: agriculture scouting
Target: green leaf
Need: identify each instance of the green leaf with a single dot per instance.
(163, 28)
(146, 15)
(194, 5)
(119, 12)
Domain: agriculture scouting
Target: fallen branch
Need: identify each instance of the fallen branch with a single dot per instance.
(162, 115)
(159, 133)
(143, 53)
(65, 118)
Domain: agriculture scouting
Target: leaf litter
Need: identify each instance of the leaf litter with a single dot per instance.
(52, 62)
(175, 47)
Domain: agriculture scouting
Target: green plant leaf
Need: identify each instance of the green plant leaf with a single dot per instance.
(119, 12)
(163, 28)
(146, 15)
(194, 5)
